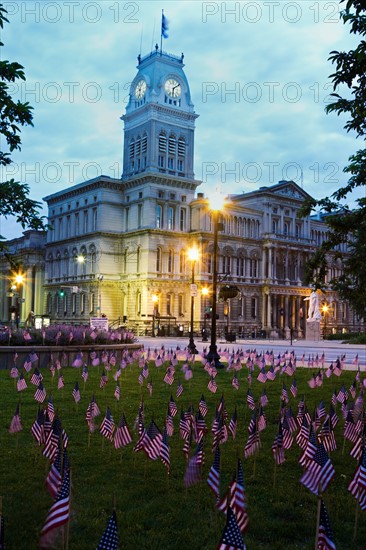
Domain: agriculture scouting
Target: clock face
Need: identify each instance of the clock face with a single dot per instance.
(172, 88)
(140, 89)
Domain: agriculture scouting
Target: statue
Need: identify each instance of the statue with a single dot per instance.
(314, 311)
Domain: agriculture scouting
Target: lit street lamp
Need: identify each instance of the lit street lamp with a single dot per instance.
(155, 299)
(204, 331)
(325, 310)
(193, 255)
(216, 204)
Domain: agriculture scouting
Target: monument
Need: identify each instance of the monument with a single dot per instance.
(313, 318)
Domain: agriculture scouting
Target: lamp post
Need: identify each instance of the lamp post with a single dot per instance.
(16, 288)
(193, 255)
(204, 331)
(325, 310)
(216, 206)
(155, 299)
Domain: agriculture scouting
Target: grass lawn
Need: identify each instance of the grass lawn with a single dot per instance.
(154, 511)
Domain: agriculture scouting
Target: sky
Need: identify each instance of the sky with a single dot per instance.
(258, 74)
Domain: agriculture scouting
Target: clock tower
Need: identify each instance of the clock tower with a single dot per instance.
(159, 119)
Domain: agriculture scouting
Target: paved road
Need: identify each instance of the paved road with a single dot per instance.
(331, 349)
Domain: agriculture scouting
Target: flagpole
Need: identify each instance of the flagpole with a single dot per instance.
(161, 32)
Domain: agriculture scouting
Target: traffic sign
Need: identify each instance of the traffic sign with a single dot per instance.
(194, 289)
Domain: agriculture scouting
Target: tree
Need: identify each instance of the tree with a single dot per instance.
(346, 225)
(14, 196)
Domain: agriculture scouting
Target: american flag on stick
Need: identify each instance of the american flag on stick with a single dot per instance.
(110, 538)
(107, 426)
(122, 436)
(58, 515)
(15, 424)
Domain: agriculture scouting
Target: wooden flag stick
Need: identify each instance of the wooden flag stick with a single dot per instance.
(318, 515)
(356, 515)
(68, 522)
(274, 474)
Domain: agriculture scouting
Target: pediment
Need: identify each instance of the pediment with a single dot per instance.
(289, 189)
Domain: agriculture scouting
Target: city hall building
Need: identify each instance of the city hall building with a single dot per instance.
(118, 247)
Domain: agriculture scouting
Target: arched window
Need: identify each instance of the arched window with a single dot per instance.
(138, 303)
(182, 261)
(158, 259)
(170, 261)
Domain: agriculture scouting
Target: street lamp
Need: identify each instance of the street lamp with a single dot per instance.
(216, 205)
(325, 310)
(193, 255)
(204, 331)
(155, 299)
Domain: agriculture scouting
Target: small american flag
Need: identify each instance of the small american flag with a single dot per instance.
(264, 399)
(36, 377)
(60, 382)
(325, 535)
(262, 376)
(110, 538)
(193, 471)
(165, 450)
(213, 479)
(117, 392)
(320, 472)
(16, 424)
(284, 394)
(50, 409)
(179, 390)
(235, 382)
(250, 400)
(233, 424)
(21, 383)
(58, 514)
(203, 406)
(293, 388)
(107, 426)
(212, 386)
(14, 373)
(54, 477)
(37, 427)
(103, 380)
(231, 538)
(122, 437)
(76, 393)
(173, 409)
(357, 486)
(253, 443)
(40, 394)
(169, 376)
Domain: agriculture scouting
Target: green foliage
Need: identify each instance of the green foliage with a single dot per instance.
(14, 196)
(347, 226)
(154, 511)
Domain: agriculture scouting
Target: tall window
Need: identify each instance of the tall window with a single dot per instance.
(127, 215)
(253, 308)
(77, 227)
(170, 261)
(159, 216)
(158, 259)
(182, 261)
(169, 304)
(139, 216)
(138, 303)
(180, 304)
(86, 228)
(91, 302)
(95, 219)
(182, 219)
(82, 303)
(73, 303)
(240, 267)
(138, 259)
(226, 264)
(170, 217)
